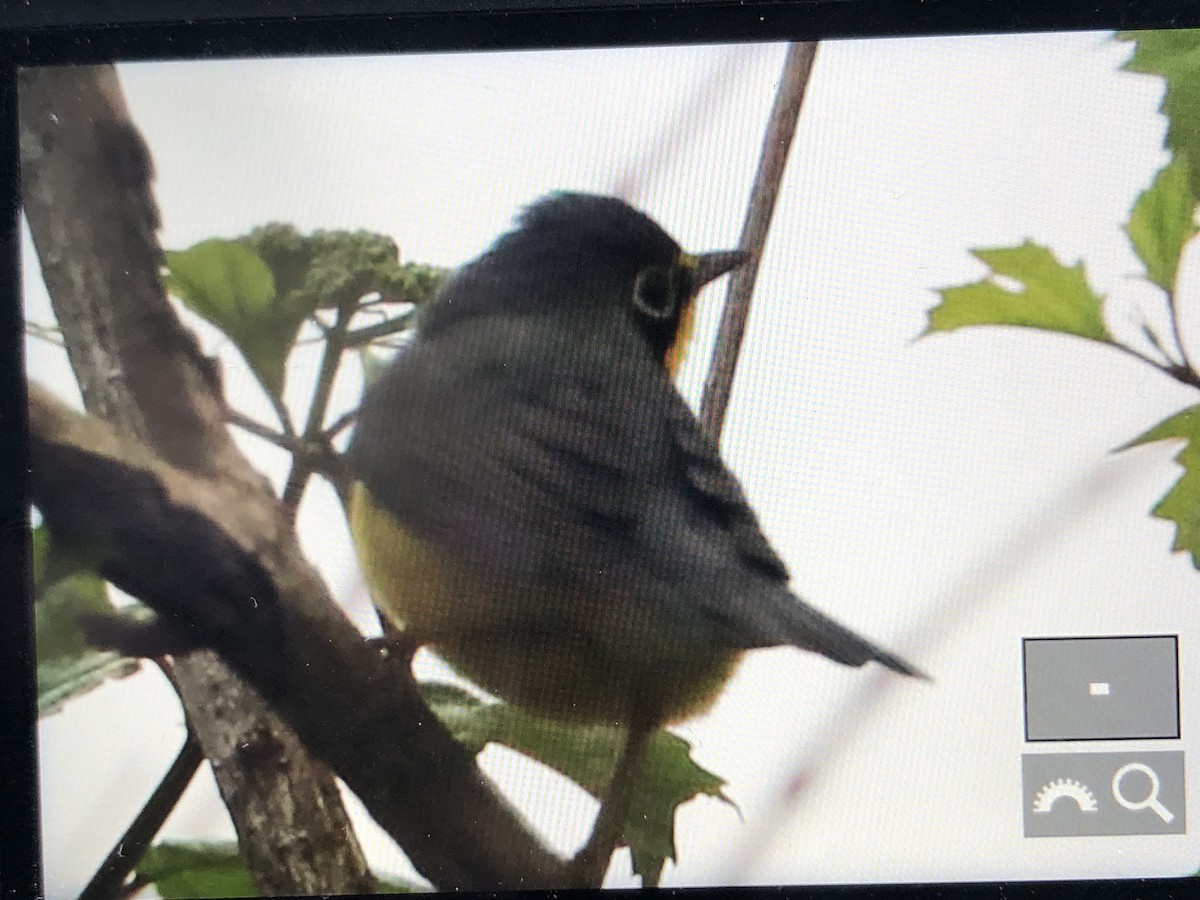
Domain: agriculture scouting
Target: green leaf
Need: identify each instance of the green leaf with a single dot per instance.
(59, 604)
(1181, 504)
(1042, 293)
(1162, 221)
(230, 286)
(1174, 55)
(260, 288)
(67, 666)
(223, 281)
(392, 886)
(588, 755)
(187, 870)
(1162, 49)
(61, 680)
(212, 870)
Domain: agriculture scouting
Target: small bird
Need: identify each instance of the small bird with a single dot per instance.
(536, 502)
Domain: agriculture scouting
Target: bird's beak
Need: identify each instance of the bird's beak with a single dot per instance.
(714, 265)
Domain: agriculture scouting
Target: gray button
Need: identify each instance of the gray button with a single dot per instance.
(1084, 794)
(1111, 688)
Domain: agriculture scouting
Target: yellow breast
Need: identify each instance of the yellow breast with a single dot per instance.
(506, 639)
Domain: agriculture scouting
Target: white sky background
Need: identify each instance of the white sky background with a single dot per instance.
(885, 471)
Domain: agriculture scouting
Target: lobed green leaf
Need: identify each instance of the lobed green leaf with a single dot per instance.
(64, 591)
(229, 285)
(1162, 221)
(212, 870)
(1040, 292)
(1181, 504)
(188, 870)
(588, 756)
(259, 289)
(1174, 55)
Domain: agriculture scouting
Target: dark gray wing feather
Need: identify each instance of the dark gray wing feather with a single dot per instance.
(761, 612)
(532, 450)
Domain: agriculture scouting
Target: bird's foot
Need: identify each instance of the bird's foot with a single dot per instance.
(396, 645)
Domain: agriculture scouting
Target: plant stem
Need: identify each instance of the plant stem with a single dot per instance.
(1157, 344)
(281, 413)
(360, 336)
(258, 429)
(781, 128)
(341, 424)
(322, 458)
(1183, 354)
(48, 333)
(134, 843)
(304, 464)
(1183, 373)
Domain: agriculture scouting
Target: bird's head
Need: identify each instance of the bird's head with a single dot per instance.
(655, 279)
(591, 250)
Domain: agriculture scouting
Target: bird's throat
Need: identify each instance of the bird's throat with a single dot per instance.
(677, 352)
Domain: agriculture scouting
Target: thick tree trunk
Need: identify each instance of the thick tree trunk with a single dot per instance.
(86, 191)
(193, 530)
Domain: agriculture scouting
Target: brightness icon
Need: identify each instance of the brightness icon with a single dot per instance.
(1069, 788)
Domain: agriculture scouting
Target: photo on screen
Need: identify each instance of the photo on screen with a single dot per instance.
(758, 464)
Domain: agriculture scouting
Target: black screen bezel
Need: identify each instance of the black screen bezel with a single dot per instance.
(59, 32)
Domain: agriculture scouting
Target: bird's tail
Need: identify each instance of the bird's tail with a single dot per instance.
(811, 629)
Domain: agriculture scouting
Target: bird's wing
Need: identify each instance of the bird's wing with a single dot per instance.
(548, 456)
(759, 611)
(499, 442)
(715, 493)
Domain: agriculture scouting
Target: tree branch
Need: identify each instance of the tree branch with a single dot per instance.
(344, 421)
(1183, 373)
(290, 443)
(365, 334)
(86, 192)
(781, 128)
(181, 520)
(136, 840)
(193, 550)
(323, 459)
(1173, 308)
(303, 463)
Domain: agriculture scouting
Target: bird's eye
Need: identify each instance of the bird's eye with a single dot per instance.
(655, 294)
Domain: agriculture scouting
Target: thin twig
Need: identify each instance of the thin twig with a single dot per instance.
(281, 413)
(48, 333)
(1183, 354)
(1157, 344)
(340, 424)
(258, 429)
(322, 458)
(360, 336)
(303, 464)
(781, 128)
(132, 847)
(1184, 374)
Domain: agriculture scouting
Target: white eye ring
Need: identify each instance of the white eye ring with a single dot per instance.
(655, 280)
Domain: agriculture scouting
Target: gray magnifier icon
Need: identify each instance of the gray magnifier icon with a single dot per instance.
(1151, 800)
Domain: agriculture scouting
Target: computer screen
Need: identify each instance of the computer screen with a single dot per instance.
(769, 463)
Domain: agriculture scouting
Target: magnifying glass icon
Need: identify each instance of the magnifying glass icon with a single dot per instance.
(1151, 802)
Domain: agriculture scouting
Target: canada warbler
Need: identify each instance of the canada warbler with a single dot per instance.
(536, 501)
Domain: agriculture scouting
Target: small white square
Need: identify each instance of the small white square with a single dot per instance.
(1098, 688)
